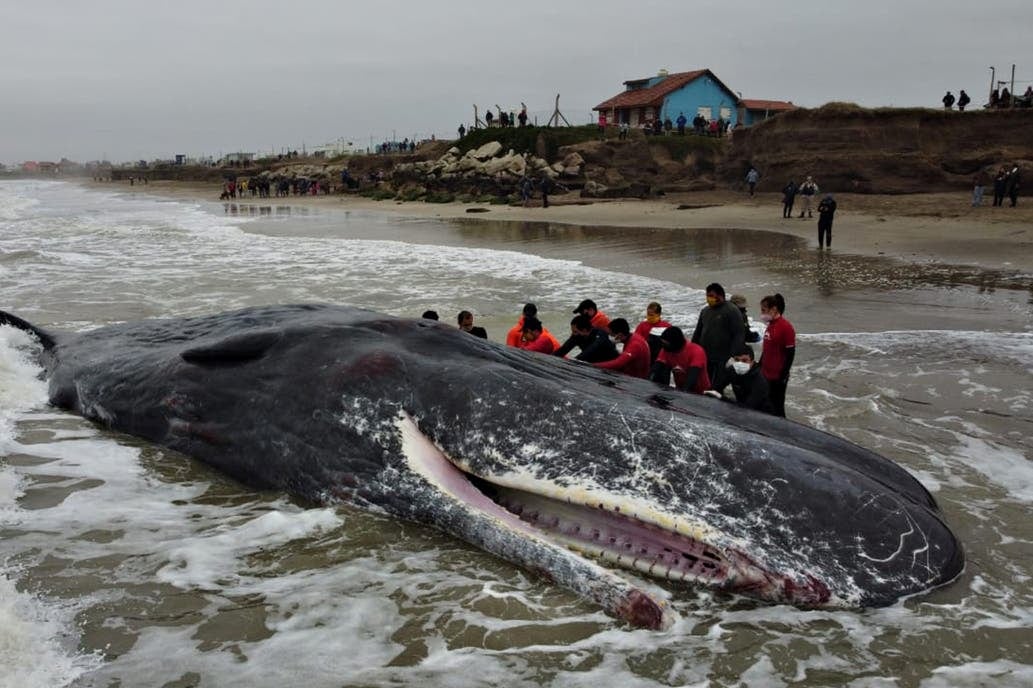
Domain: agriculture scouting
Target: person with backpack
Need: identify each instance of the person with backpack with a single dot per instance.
(963, 100)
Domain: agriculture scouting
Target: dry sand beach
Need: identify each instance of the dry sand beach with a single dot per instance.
(915, 228)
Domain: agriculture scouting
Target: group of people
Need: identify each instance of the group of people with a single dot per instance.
(999, 98)
(1006, 183)
(528, 186)
(716, 355)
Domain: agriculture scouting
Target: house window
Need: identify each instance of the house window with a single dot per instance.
(726, 114)
(705, 111)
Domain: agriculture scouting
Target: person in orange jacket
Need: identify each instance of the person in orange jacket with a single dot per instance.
(634, 359)
(516, 333)
(599, 319)
(534, 339)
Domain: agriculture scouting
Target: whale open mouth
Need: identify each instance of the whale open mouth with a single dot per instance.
(608, 529)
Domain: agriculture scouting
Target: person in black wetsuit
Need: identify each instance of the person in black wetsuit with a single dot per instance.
(595, 344)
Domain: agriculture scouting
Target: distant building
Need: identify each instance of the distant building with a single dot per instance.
(753, 111)
(335, 149)
(238, 158)
(693, 93)
(668, 95)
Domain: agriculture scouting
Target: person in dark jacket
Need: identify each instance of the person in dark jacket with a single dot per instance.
(595, 344)
(963, 100)
(1013, 185)
(719, 330)
(465, 320)
(749, 386)
(788, 198)
(826, 211)
(1000, 185)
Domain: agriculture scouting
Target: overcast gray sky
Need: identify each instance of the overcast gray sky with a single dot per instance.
(146, 79)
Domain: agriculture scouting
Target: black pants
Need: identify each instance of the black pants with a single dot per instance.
(1014, 196)
(824, 234)
(787, 209)
(545, 199)
(998, 198)
(777, 397)
(753, 185)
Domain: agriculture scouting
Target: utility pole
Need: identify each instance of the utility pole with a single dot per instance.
(993, 75)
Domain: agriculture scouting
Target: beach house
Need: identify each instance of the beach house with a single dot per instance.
(752, 111)
(698, 92)
(669, 94)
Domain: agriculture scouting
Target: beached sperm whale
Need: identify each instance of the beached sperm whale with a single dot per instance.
(548, 464)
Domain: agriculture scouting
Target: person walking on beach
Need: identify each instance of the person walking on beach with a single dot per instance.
(826, 211)
(752, 177)
(808, 190)
(788, 198)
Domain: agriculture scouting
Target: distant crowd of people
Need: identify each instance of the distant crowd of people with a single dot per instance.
(715, 357)
(660, 126)
(999, 98)
(504, 119)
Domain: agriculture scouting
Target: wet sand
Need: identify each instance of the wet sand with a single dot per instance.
(922, 228)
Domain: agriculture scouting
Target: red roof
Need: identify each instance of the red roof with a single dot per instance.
(750, 104)
(652, 96)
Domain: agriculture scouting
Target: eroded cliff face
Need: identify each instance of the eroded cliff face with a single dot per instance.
(851, 149)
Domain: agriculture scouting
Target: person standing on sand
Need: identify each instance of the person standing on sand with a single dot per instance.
(978, 183)
(788, 198)
(808, 190)
(752, 177)
(1000, 183)
(545, 185)
(1013, 185)
(826, 211)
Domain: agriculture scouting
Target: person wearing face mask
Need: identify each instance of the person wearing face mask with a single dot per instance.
(779, 350)
(749, 386)
(719, 330)
(634, 358)
(645, 328)
(685, 360)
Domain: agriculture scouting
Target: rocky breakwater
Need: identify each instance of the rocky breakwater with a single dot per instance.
(480, 172)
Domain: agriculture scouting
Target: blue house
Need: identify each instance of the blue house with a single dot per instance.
(693, 93)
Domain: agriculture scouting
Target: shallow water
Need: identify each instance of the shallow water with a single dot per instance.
(125, 564)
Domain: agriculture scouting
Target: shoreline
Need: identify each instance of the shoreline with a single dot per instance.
(916, 228)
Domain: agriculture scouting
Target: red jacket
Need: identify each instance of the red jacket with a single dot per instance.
(543, 345)
(634, 360)
(645, 327)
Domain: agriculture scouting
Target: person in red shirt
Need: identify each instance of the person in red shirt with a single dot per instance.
(645, 328)
(779, 351)
(533, 338)
(687, 361)
(634, 358)
(599, 319)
